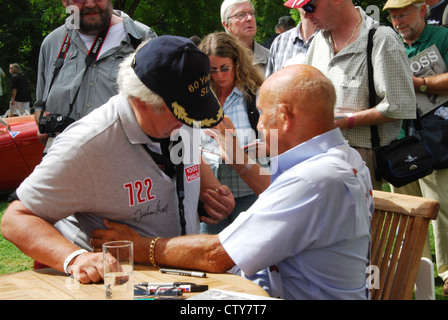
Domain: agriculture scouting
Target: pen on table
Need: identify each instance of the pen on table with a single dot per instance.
(185, 286)
(152, 284)
(184, 273)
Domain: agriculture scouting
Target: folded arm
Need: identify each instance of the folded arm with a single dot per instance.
(40, 240)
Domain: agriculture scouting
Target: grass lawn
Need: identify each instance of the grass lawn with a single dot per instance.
(13, 260)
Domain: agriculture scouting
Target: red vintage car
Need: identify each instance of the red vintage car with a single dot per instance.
(20, 150)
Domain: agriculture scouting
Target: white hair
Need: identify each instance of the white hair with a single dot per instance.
(130, 85)
(227, 6)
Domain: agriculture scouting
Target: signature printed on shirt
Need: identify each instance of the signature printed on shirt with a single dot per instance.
(140, 214)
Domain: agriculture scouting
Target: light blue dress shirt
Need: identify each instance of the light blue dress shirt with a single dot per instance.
(312, 224)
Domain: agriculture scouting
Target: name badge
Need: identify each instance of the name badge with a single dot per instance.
(192, 173)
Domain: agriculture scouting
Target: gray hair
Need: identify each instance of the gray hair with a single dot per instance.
(227, 6)
(16, 68)
(129, 85)
(421, 4)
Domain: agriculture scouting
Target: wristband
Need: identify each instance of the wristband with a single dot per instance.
(152, 248)
(351, 120)
(71, 257)
(423, 87)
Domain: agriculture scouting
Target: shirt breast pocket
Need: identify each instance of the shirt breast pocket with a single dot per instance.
(114, 67)
(69, 69)
(351, 82)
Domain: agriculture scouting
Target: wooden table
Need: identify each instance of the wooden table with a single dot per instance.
(49, 284)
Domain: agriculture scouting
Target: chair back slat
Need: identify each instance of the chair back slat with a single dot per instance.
(399, 228)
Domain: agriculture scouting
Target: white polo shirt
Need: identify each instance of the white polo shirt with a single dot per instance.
(98, 168)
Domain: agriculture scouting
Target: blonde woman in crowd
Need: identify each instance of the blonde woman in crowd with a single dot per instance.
(236, 81)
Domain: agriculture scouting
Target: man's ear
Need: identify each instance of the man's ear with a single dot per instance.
(226, 26)
(285, 117)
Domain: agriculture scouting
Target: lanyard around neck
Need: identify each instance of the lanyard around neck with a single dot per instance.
(164, 162)
(92, 56)
(95, 49)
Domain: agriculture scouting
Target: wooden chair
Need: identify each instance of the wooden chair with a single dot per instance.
(399, 229)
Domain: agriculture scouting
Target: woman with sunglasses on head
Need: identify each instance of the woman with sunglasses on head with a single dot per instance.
(235, 80)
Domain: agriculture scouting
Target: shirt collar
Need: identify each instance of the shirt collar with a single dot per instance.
(129, 25)
(133, 131)
(295, 32)
(304, 151)
(360, 44)
(424, 36)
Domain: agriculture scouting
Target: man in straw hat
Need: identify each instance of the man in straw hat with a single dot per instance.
(408, 18)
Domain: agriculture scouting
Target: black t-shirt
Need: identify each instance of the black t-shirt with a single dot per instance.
(19, 82)
(436, 13)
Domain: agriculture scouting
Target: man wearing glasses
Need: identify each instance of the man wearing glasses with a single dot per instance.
(340, 52)
(408, 18)
(81, 86)
(238, 19)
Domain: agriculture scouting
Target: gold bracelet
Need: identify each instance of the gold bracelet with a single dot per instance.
(152, 247)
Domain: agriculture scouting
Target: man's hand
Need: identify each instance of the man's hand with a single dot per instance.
(218, 203)
(225, 135)
(87, 267)
(118, 231)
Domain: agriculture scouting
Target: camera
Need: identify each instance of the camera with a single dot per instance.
(53, 123)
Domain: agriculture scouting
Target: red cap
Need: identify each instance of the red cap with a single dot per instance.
(294, 4)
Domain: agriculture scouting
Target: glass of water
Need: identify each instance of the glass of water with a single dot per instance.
(118, 258)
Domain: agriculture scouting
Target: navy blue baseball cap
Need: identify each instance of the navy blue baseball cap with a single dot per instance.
(175, 69)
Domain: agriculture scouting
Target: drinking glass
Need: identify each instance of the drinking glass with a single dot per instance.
(118, 258)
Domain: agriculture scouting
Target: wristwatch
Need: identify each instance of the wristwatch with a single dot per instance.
(423, 88)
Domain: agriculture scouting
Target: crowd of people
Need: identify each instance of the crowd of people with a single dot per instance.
(119, 122)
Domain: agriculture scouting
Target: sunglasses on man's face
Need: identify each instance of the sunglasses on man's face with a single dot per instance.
(310, 7)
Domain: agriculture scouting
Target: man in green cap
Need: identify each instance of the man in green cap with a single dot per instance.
(408, 18)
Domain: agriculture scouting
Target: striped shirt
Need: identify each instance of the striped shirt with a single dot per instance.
(287, 45)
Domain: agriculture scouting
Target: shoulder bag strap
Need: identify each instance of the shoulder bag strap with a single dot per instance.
(252, 112)
(372, 95)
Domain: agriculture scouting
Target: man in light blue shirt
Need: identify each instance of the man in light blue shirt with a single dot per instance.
(318, 232)
(307, 236)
